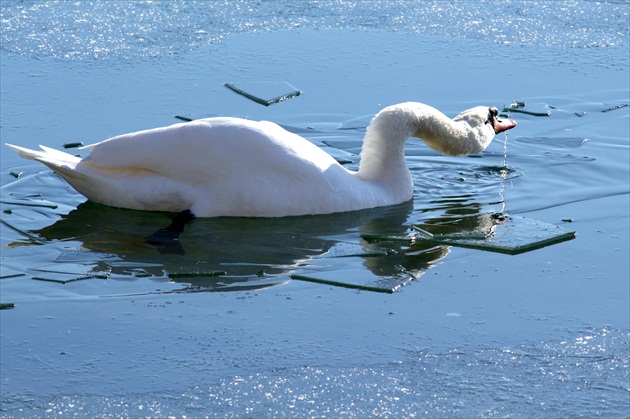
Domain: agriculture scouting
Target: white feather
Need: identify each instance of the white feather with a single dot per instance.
(237, 167)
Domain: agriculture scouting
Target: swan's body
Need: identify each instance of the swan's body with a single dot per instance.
(236, 167)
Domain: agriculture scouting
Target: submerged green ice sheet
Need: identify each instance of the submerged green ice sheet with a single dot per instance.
(534, 109)
(359, 279)
(511, 235)
(69, 272)
(501, 234)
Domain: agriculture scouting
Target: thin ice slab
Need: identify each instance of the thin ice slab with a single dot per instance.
(534, 109)
(64, 273)
(6, 272)
(265, 93)
(510, 235)
(360, 279)
(610, 107)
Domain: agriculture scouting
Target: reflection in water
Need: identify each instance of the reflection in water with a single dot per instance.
(244, 251)
(166, 240)
(249, 253)
(206, 254)
(226, 253)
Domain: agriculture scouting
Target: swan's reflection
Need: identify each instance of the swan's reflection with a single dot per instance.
(248, 253)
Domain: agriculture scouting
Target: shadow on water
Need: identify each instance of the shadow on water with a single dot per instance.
(221, 254)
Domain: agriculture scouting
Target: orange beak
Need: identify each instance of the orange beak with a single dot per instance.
(501, 125)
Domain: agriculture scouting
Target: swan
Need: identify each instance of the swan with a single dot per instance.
(228, 166)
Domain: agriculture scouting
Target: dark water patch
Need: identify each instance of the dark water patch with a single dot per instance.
(245, 251)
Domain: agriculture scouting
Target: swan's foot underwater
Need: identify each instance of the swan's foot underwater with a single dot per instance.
(166, 240)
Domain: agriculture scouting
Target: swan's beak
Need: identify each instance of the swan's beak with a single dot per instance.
(501, 125)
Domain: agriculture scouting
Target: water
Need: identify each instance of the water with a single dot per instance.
(470, 333)
(94, 30)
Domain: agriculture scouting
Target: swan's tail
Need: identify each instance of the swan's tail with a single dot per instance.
(49, 156)
(62, 163)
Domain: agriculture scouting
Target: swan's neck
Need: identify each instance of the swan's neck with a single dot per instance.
(383, 151)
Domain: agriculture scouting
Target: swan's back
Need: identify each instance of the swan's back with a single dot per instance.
(216, 166)
(212, 144)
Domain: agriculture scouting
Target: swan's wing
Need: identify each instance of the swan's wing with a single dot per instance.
(143, 149)
(212, 149)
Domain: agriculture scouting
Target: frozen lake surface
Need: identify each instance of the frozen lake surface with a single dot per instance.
(118, 327)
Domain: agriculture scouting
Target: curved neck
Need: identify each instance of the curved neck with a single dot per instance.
(451, 137)
(383, 150)
(383, 147)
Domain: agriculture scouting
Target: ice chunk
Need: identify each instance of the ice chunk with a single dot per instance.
(6, 272)
(534, 109)
(70, 272)
(360, 279)
(265, 93)
(510, 235)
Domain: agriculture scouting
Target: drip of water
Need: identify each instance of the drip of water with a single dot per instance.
(505, 170)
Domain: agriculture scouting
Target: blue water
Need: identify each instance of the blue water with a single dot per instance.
(469, 334)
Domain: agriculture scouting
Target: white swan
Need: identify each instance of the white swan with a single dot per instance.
(236, 167)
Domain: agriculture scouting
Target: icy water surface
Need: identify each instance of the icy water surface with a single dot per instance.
(110, 319)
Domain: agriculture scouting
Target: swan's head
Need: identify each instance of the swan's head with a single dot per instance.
(499, 125)
(480, 125)
(487, 119)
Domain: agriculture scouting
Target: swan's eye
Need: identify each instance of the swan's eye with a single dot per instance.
(492, 113)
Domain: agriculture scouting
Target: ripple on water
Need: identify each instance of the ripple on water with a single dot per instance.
(555, 142)
(447, 185)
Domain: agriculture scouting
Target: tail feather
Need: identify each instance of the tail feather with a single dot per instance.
(24, 152)
(49, 156)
